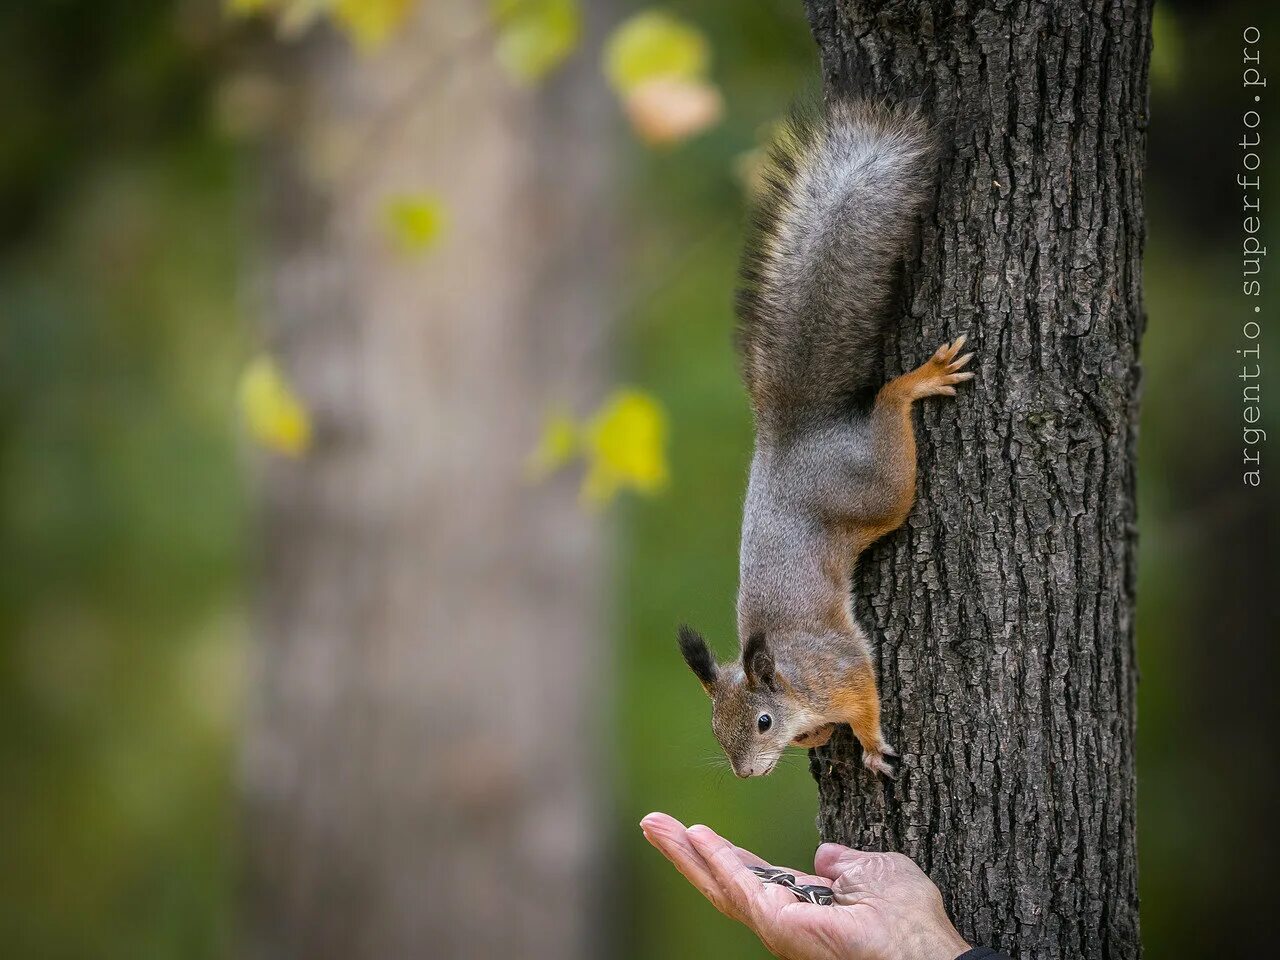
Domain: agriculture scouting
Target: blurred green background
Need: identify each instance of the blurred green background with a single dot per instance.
(124, 498)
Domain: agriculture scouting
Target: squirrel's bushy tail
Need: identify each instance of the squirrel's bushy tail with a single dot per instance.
(844, 188)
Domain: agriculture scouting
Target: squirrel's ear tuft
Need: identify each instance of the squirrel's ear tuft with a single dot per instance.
(698, 656)
(757, 661)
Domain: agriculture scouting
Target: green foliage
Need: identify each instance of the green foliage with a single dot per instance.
(81, 82)
(120, 513)
(121, 497)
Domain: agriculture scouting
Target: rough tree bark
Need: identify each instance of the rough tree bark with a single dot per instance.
(1004, 608)
(419, 763)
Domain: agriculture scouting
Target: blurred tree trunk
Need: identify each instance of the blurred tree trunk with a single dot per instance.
(1005, 606)
(421, 758)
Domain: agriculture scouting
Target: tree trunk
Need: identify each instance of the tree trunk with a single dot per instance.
(419, 765)
(1004, 607)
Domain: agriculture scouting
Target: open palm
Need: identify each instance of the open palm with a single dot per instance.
(886, 907)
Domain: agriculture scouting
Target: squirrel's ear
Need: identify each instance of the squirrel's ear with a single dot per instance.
(698, 656)
(757, 661)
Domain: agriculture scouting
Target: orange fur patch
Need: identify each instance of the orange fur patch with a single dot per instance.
(857, 703)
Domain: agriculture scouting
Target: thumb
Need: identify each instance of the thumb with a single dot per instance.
(833, 859)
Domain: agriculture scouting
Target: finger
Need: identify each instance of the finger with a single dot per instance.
(668, 835)
(739, 903)
(833, 859)
(661, 821)
(742, 887)
(750, 859)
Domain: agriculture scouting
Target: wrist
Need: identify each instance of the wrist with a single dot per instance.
(941, 944)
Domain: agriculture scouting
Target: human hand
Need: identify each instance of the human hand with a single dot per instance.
(885, 909)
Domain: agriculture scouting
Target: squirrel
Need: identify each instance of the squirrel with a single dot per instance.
(834, 467)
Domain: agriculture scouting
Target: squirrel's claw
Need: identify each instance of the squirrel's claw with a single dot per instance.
(946, 353)
(941, 373)
(880, 763)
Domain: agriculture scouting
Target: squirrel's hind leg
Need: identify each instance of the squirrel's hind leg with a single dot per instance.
(888, 499)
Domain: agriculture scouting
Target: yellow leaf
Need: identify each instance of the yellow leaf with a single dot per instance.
(369, 23)
(535, 36)
(558, 445)
(415, 222)
(625, 447)
(654, 45)
(273, 413)
(623, 444)
(665, 111)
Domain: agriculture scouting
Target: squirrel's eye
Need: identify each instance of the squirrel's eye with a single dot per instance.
(765, 722)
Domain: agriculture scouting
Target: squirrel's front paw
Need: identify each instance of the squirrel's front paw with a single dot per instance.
(814, 738)
(880, 761)
(938, 375)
